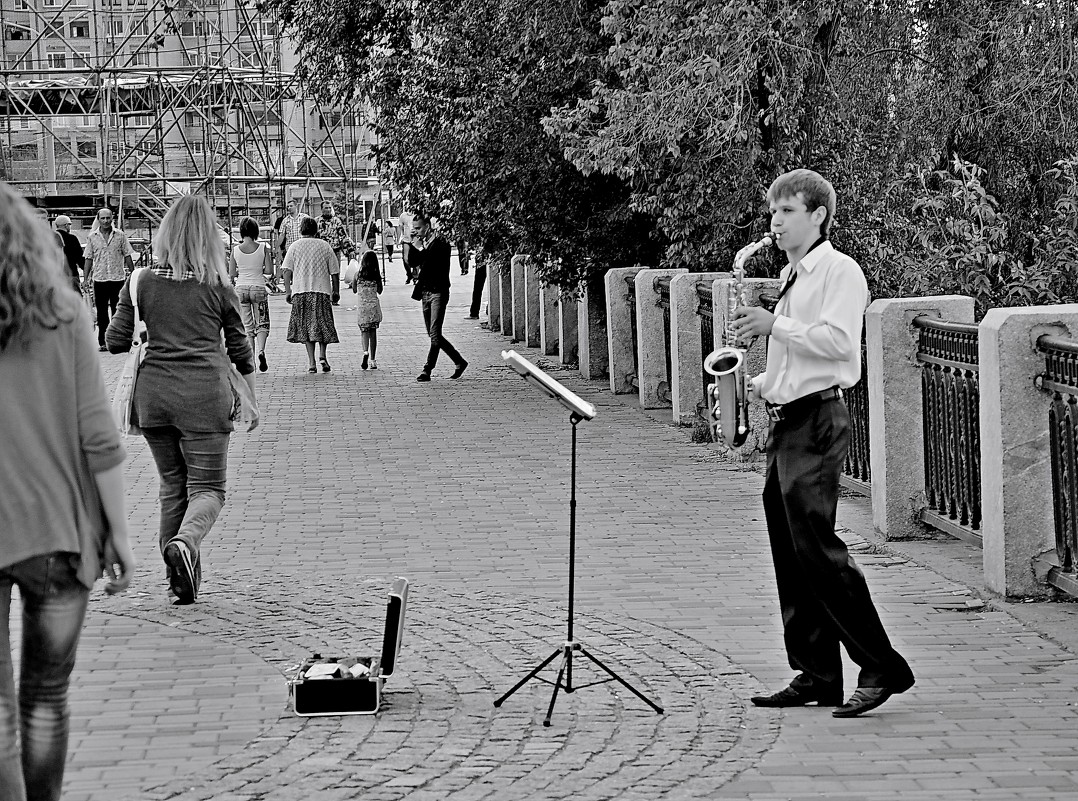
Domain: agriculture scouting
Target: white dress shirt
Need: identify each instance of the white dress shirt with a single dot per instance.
(816, 339)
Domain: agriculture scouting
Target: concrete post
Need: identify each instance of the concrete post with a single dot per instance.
(517, 269)
(591, 328)
(532, 315)
(651, 339)
(568, 320)
(505, 297)
(619, 330)
(1017, 520)
(896, 441)
(686, 363)
(548, 317)
(494, 294)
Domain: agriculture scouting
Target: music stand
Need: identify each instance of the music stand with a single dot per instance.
(579, 410)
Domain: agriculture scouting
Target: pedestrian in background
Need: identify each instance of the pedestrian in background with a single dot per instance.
(249, 264)
(289, 233)
(69, 243)
(431, 254)
(183, 400)
(368, 286)
(62, 517)
(406, 221)
(389, 238)
(108, 263)
(312, 285)
(480, 280)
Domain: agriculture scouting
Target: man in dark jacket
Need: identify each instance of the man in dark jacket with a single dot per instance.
(72, 249)
(430, 256)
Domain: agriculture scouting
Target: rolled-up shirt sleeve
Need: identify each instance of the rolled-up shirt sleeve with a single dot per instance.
(99, 436)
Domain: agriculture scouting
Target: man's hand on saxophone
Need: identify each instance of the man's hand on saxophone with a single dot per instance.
(752, 321)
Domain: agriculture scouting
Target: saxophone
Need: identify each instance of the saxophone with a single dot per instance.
(728, 395)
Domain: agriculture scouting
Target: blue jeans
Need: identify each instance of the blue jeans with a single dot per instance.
(192, 466)
(434, 306)
(53, 608)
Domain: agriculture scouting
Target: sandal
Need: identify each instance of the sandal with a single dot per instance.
(312, 369)
(325, 365)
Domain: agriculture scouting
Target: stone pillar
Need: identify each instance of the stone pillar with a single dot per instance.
(517, 269)
(494, 294)
(532, 315)
(651, 339)
(896, 442)
(505, 298)
(686, 364)
(1017, 520)
(591, 329)
(568, 320)
(548, 321)
(619, 330)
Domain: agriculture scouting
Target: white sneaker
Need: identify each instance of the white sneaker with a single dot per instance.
(374, 364)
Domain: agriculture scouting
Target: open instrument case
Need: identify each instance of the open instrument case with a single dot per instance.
(351, 685)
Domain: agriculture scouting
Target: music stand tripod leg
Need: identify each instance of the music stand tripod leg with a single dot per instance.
(529, 677)
(622, 681)
(566, 662)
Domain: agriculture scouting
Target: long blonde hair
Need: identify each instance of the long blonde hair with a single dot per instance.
(188, 238)
(34, 294)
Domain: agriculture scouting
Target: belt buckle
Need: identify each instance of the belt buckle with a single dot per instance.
(775, 413)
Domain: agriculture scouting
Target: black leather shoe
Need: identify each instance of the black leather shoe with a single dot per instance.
(863, 700)
(795, 696)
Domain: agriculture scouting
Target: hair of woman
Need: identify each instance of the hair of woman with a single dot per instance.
(308, 226)
(34, 294)
(189, 238)
(368, 267)
(249, 228)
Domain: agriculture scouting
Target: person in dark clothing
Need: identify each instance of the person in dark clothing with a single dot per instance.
(72, 248)
(477, 287)
(430, 255)
(814, 352)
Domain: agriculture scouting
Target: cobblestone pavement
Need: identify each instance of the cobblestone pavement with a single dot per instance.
(356, 477)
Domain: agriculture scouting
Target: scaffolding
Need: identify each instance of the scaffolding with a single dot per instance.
(130, 103)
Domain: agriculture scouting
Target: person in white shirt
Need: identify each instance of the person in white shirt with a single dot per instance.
(814, 352)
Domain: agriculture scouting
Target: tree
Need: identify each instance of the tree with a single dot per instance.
(459, 91)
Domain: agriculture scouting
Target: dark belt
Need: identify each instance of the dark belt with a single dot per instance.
(784, 411)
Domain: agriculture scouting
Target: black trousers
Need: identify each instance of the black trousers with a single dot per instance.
(106, 296)
(822, 593)
(477, 287)
(434, 306)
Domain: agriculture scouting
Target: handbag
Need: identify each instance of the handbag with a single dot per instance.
(417, 293)
(244, 405)
(124, 396)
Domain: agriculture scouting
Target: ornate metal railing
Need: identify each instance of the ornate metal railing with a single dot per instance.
(705, 307)
(856, 469)
(1060, 379)
(634, 379)
(662, 289)
(950, 393)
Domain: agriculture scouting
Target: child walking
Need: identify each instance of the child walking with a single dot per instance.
(368, 286)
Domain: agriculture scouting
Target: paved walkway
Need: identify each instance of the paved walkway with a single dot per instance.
(357, 477)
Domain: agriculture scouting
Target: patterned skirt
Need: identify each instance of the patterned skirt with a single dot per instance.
(312, 319)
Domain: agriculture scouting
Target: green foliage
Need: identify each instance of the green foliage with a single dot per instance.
(458, 92)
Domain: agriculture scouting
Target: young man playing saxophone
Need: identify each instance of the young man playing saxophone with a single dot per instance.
(815, 352)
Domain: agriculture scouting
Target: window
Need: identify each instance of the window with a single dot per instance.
(86, 150)
(142, 28)
(329, 119)
(56, 61)
(22, 5)
(50, 3)
(197, 147)
(80, 29)
(116, 27)
(54, 29)
(141, 59)
(16, 33)
(24, 152)
(62, 121)
(139, 121)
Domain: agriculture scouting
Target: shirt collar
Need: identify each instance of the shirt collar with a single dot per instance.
(819, 250)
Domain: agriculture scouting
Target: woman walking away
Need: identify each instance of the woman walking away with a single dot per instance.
(368, 285)
(249, 265)
(183, 400)
(312, 284)
(62, 518)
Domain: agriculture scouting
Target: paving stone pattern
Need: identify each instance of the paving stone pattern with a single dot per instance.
(356, 477)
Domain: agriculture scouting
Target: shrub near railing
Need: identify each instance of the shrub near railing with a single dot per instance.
(950, 391)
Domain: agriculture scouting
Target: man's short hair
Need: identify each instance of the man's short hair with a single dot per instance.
(814, 189)
(63, 219)
(420, 215)
(248, 227)
(327, 203)
(308, 226)
(104, 208)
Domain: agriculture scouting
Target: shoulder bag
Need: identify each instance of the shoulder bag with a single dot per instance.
(124, 397)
